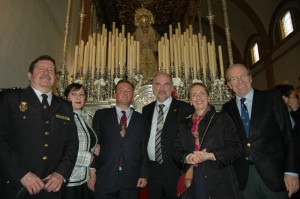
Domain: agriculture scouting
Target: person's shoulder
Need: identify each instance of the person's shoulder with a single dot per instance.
(104, 111)
(10, 92)
(146, 107)
(270, 93)
(62, 100)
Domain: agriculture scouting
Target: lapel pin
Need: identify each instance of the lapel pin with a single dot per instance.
(23, 106)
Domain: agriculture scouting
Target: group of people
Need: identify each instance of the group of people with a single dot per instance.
(50, 148)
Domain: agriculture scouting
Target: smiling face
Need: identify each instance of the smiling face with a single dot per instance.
(43, 76)
(77, 97)
(124, 95)
(199, 98)
(239, 79)
(162, 87)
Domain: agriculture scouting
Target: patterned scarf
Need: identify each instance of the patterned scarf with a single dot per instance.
(196, 119)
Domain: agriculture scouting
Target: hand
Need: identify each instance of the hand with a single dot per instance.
(54, 182)
(293, 103)
(32, 183)
(200, 156)
(142, 182)
(92, 181)
(291, 184)
(97, 150)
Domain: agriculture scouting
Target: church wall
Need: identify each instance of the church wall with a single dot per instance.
(28, 29)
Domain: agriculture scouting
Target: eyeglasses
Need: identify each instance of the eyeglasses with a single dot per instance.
(245, 77)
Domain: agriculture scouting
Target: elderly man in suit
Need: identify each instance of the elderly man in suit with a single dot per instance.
(38, 137)
(121, 164)
(161, 123)
(267, 168)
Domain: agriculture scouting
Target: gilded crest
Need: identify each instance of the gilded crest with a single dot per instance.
(23, 106)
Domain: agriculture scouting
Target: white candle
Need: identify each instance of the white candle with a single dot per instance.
(138, 57)
(221, 61)
(102, 59)
(75, 62)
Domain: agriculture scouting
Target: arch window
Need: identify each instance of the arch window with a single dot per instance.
(254, 53)
(286, 24)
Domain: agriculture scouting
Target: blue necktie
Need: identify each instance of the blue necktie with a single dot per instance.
(245, 116)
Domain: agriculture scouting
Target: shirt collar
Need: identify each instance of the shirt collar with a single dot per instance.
(128, 110)
(249, 97)
(39, 95)
(167, 103)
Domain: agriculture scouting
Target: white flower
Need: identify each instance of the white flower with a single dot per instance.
(138, 77)
(176, 81)
(102, 82)
(96, 82)
(197, 80)
(78, 81)
(117, 80)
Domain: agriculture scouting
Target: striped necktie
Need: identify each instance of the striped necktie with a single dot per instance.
(159, 128)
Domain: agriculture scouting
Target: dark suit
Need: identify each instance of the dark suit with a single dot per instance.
(168, 171)
(131, 148)
(31, 143)
(271, 144)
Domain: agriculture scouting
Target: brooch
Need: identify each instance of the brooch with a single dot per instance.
(23, 106)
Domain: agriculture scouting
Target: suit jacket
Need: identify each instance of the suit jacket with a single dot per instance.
(31, 143)
(130, 148)
(222, 140)
(271, 144)
(177, 112)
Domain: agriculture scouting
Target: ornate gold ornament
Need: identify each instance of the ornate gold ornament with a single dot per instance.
(143, 17)
(23, 106)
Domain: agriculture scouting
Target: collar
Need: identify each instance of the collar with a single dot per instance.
(167, 103)
(128, 110)
(249, 97)
(39, 93)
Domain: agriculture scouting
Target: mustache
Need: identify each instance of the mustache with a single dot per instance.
(45, 76)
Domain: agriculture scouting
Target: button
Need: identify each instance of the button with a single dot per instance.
(45, 157)
(248, 145)
(47, 122)
(247, 158)
(7, 182)
(46, 145)
(24, 117)
(46, 133)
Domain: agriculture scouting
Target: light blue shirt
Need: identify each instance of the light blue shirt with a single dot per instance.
(120, 114)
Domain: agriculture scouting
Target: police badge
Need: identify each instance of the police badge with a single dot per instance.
(23, 106)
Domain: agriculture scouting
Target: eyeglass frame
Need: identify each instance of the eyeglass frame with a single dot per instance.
(245, 77)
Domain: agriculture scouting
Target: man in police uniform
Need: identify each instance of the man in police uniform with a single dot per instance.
(38, 137)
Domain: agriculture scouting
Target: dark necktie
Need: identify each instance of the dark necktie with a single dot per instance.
(159, 128)
(123, 124)
(45, 105)
(245, 116)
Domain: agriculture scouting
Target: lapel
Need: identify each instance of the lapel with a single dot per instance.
(132, 123)
(55, 105)
(114, 118)
(150, 113)
(237, 117)
(256, 108)
(32, 100)
(171, 116)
